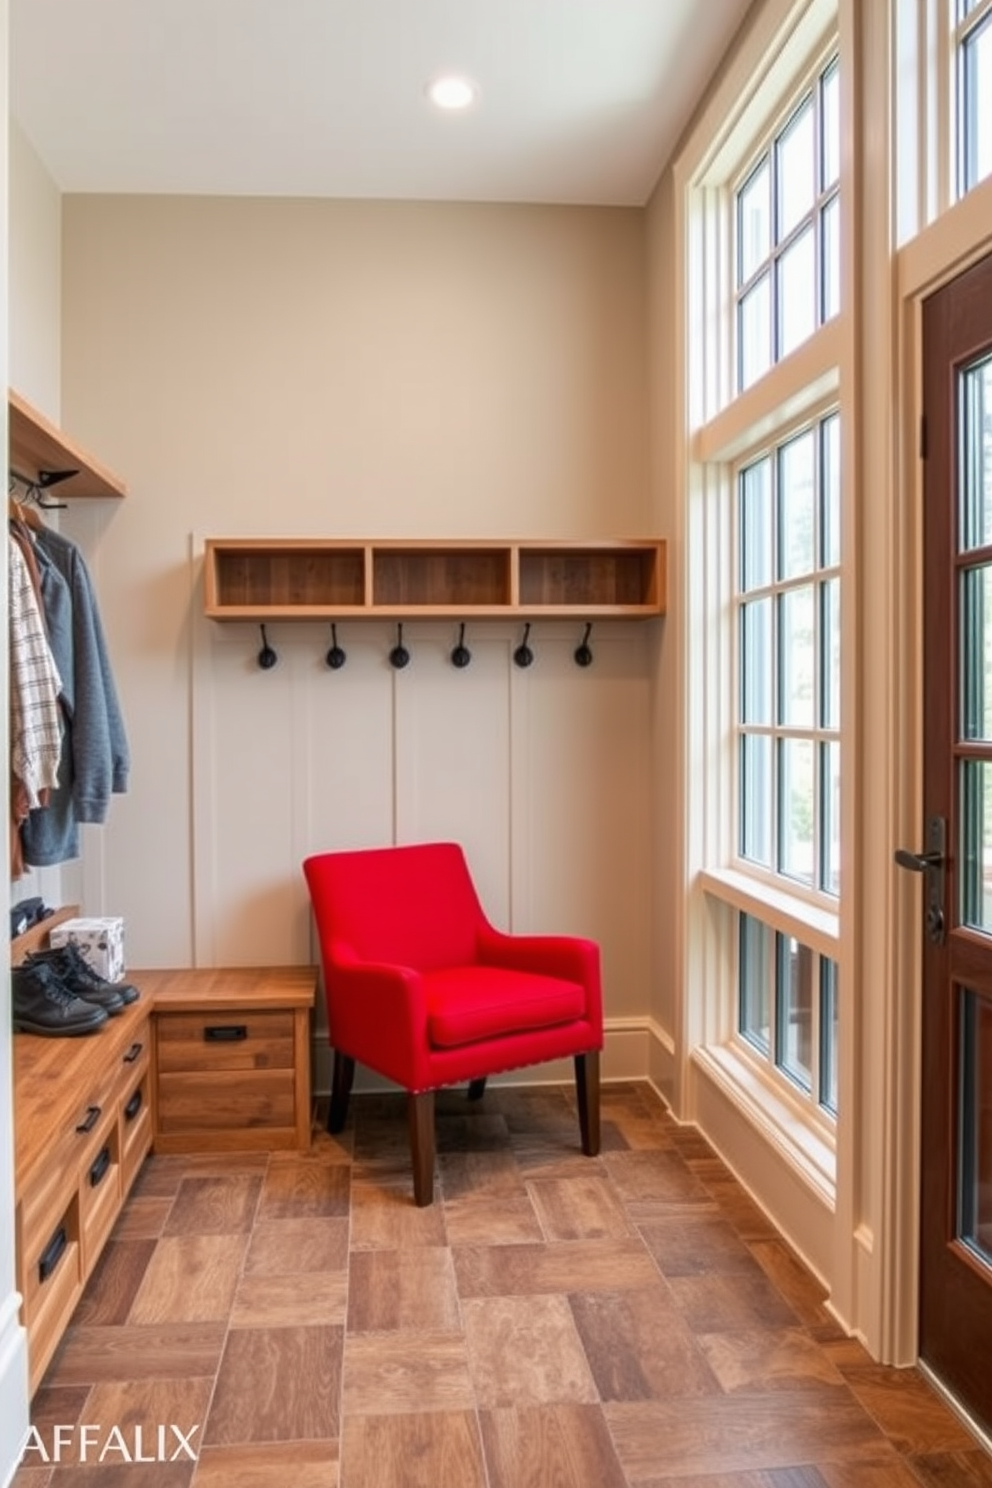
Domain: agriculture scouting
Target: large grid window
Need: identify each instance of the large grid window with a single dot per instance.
(973, 53)
(788, 630)
(788, 233)
(787, 1009)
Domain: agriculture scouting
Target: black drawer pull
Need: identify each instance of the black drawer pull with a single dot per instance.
(133, 1106)
(225, 1033)
(92, 1117)
(99, 1169)
(52, 1253)
(133, 1053)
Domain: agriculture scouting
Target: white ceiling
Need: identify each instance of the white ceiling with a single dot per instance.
(580, 101)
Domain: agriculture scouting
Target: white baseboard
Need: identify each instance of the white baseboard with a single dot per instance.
(625, 1057)
(14, 1398)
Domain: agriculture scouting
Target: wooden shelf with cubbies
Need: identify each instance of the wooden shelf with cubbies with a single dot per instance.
(325, 578)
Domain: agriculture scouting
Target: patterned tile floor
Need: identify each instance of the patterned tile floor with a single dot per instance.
(552, 1321)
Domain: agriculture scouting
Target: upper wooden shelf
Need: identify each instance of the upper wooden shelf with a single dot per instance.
(38, 448)
(321, 578)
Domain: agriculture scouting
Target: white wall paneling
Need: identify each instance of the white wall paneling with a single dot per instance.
(543, 774)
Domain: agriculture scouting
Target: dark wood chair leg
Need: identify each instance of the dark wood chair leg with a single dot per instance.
(420, 1112)
(587, 1093)
(341, 1078)
(476, 1088)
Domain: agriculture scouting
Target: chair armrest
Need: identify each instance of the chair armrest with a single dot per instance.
(377, 1014)
(568, 956)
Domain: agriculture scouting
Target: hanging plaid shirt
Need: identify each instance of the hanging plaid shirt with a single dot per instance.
(35, 721)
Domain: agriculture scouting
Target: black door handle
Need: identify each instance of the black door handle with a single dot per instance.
(918, 862)
(933, 864)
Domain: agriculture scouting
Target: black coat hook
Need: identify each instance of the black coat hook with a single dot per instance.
(335, 657)
(399, 656)
(583, 653)
(267, 658)
(461, 655)
(523, 655)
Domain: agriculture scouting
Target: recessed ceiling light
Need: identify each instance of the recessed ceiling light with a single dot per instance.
(452, 92)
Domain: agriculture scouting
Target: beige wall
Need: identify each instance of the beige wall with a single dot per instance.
(35, 273)
(329, 368)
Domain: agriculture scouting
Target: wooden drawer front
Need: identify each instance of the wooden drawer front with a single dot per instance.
(49, 1304)
(135, 1058)
(51, 1277)
(232, 1039)
(136, 1130)
(55, 1178)
(225, 1100)
(99, 1197)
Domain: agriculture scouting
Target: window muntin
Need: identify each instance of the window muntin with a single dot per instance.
(788, 648)
(973, 125)
(788, 238)
(788, 1007)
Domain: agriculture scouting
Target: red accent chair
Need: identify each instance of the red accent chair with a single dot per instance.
(421, 988)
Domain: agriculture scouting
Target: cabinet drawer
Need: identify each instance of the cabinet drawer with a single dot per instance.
(51, 1275)
(135, 1057)
(99, 1198)
(225, 1100)
(72, 1150)
(232, 1039)
(136, 1130)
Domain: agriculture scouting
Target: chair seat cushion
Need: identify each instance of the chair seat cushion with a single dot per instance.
(468, 1004)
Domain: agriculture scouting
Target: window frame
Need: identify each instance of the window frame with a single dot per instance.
(819, 732)
(722, 426)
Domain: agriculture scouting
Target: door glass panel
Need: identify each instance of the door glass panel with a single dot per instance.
(976, 652)
(976, 844)
(975, 403)
(975, 1125)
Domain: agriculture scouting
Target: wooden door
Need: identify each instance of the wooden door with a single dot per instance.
(956, 861)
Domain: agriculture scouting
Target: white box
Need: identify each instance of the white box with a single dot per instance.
(100, 940)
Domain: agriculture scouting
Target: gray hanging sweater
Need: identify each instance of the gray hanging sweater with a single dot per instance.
(95, 758)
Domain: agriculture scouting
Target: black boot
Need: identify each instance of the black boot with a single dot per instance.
(40, 1003)
(75, 972)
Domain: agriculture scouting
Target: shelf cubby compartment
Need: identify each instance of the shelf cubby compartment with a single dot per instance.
(475, 579)
(620, 578)
(285, 580)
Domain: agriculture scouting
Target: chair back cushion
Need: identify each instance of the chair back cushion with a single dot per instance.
(410, 906)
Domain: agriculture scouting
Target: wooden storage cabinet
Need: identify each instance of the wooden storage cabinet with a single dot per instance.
(232, 1058)
(306, 579)
(76, 1153)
